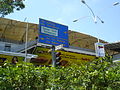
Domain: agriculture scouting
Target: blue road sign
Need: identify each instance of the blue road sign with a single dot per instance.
(53, 33)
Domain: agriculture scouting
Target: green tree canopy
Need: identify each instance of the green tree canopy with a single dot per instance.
(8, 6)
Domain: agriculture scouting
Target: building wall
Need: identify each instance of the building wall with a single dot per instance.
(14, 31)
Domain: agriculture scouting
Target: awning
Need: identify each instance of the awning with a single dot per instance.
(18, 54)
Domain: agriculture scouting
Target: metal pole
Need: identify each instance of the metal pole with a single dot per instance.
(26, 42)
(91, 10)
(83, 1)
(53, 56)
(98, 40)
(53, 64)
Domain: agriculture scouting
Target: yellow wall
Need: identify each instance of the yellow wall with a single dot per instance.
(67, 58)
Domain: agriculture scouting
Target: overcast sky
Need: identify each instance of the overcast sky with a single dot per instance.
(65, 11)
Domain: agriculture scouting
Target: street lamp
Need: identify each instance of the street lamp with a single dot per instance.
(95, 17)
(116, 3)
(79, 18)
(83, 1)
(100, 19)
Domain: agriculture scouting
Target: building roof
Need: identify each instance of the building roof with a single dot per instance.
(113, 46)
(15, 31)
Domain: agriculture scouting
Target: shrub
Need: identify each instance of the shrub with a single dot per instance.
(100, 74)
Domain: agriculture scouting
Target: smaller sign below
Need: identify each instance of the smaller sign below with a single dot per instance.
(99, 48)
(57, 48)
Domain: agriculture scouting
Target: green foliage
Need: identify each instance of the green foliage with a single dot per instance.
(8, 6)
(100, 74)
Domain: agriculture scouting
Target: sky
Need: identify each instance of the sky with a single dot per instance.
(65, 11)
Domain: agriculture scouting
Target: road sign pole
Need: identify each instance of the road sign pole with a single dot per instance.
(53, 56)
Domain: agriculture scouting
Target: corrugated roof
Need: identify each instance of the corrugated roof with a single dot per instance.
(113, 46)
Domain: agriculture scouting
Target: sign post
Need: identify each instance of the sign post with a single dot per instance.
(53, 34)
(53, 56)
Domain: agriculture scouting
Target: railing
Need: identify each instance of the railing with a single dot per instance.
(22, 46)
(17, 47)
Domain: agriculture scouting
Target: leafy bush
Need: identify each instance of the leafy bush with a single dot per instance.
(100, 74)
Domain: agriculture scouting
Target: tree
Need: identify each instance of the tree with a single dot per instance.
(8, 6)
